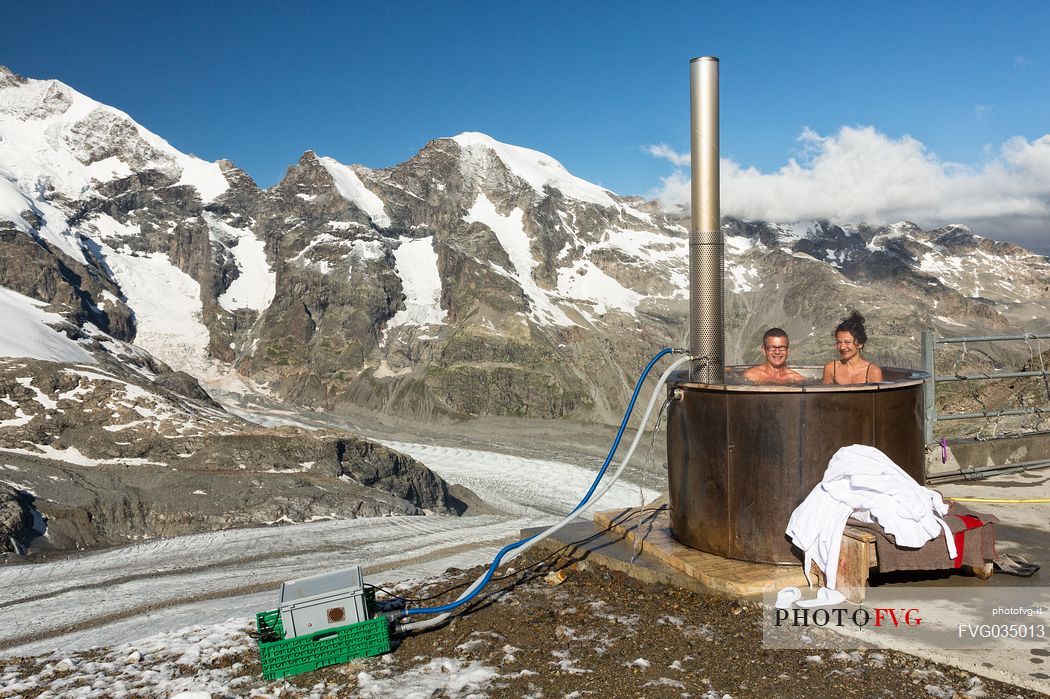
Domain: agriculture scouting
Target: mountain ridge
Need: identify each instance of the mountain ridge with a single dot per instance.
(474, 278)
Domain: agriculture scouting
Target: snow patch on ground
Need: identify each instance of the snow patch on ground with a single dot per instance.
(28, 333)
(206, 177)
(664, 254)
(357, 251)
(384, 371)
(437, 677)
(976, 274)
(188, 662)
(255, 286)
(511, 234)
(949, 321)
(167, 305)
(70, 455)
(738, 244)
(649, 246)
(13, 201)
(416, 265)
(354, 190)
(635, 213)
(370, 250)
(343, 225)
(18, 420)
(585, 281)
(741, 277)
(39, 396)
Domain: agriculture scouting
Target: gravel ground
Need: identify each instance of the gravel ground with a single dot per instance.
(553, 629)
(583, 628)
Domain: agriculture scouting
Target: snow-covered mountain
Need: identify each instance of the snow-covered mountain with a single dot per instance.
(475, 278)
(108, 235)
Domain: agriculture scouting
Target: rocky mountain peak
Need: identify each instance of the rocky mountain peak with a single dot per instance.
(486, 158)
(307, 158)
(9, 78)
(308, 172)
(34, 100)
(318, 191)
(959, 239)
(238, 178)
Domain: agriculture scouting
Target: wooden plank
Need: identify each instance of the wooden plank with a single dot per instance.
(766, 464)
(856, 558)
(854, 562)
(859, 534)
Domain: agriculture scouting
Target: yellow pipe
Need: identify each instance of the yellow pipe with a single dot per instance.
(997, 500)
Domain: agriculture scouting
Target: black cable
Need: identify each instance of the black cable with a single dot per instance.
(266, 633)
(391, 595)
(538, 563)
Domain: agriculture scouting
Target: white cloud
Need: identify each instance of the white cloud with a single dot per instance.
(861, 175)
(662, 150)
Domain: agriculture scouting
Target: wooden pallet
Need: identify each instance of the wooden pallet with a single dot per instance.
(649, 529)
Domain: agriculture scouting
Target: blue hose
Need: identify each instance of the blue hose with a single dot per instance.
(597, 479)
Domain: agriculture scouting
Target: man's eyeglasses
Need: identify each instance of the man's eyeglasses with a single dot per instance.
(776, 349)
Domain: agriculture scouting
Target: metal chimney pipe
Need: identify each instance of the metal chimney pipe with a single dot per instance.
(706, 244)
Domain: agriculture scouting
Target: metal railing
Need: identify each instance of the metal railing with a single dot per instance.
(929, 344)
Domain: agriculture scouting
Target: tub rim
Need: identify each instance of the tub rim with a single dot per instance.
(912, 377)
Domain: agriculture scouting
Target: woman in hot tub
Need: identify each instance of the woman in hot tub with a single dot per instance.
(851, 367)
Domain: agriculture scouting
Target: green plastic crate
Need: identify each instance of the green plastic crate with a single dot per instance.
(293, 656)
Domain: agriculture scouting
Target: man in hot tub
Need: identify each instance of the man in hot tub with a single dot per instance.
(775, 349)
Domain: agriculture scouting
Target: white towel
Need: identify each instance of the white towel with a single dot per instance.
(862, 482)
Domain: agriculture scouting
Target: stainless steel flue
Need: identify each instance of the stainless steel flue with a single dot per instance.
(706, 244)
(741, 457)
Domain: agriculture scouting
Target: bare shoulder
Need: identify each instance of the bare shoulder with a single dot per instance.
(829, 373)
(874, 373)
(753, 374)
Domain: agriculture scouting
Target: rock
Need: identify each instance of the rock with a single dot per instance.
(168, 460)
(15, 520)
(185, 385)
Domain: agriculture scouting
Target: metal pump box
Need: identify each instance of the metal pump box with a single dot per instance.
(320, 602)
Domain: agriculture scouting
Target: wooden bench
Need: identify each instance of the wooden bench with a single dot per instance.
(858, 556)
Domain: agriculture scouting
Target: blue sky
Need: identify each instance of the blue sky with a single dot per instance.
(596, 85)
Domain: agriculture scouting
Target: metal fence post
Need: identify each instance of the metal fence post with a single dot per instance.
(928, 388)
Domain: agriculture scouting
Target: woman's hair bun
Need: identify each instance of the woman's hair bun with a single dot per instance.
(854, 325)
